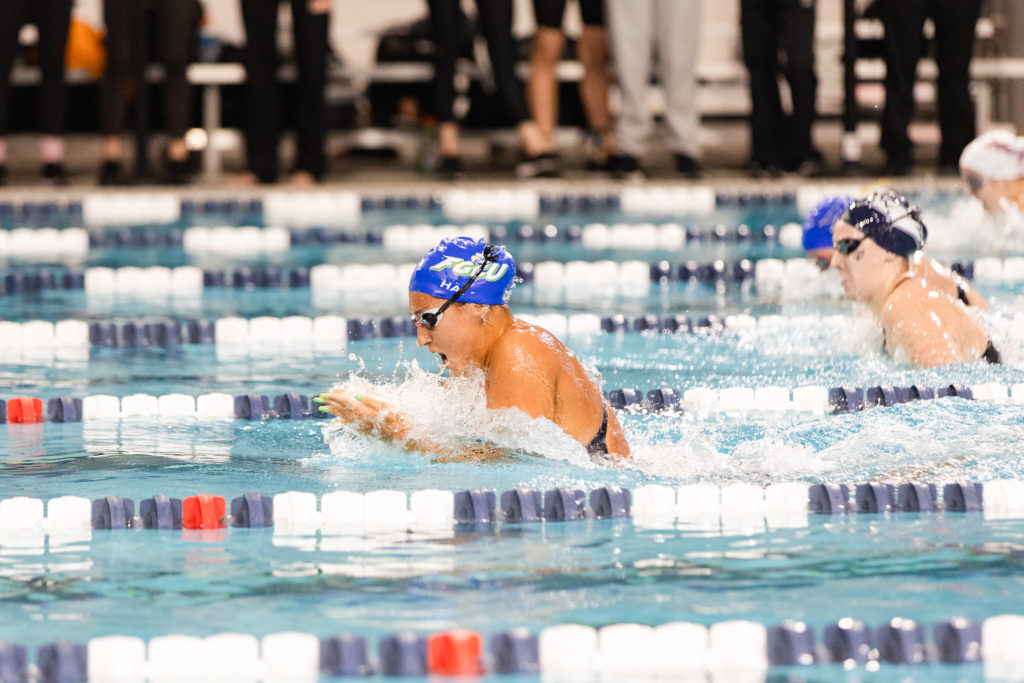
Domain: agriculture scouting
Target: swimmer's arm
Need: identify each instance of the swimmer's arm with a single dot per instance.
(920, 334)
(378, 418)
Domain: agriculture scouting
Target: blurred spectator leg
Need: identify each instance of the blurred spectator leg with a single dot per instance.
(954, 46)
(12, 16)
(796, 35)
(53, 18)
(118, 15)
(446, 18)
(759, 30)
(178, 22)
(263, 116)
(903, 20)
(311, 112)
(678, 36)
(593, 55)
(546, 53)
(496, 25)
(631, 30)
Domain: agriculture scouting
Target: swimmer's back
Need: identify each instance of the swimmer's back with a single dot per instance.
(529, 367)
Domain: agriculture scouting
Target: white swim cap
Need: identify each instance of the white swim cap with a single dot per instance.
(996, 155)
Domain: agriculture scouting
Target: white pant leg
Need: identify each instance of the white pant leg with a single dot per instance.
(631, 35)
(678, 35)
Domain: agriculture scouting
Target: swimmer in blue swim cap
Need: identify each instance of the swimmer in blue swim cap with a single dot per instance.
(875, 246)
(458, 298)
(817, 242)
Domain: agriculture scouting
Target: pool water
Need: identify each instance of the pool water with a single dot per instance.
(926, 567)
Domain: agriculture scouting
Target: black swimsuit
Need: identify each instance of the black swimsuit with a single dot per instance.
(599, 444)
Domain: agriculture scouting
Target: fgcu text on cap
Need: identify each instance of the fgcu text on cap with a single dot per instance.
(446, 267)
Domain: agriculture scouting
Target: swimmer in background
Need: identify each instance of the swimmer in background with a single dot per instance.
(874, 242)
(458, 298)
(992, 165)
(817, 242)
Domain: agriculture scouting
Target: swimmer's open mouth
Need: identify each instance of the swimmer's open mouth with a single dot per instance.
(444, 359)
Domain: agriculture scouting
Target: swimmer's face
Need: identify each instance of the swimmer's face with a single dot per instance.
(989, 192)
(457, 337)
(822, 256)
(859, 267)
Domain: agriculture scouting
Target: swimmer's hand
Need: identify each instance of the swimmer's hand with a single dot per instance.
(365, 413)
(378, 418)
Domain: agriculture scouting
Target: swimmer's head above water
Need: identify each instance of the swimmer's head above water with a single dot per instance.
(452, 293)
(992, 165)
(874, 242)
(817, 229)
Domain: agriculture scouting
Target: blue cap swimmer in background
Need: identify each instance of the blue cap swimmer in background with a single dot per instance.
(890, 221)
(819, 222)
(449, 265)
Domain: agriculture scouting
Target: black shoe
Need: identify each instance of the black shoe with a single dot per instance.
(177, 173)
(811, 167)
(687, 166)
(599, 166)
(760, 170)
(539, 166)
(625, 167)
(898, 167)
(54, 174)
(111, 173)
(448, 168)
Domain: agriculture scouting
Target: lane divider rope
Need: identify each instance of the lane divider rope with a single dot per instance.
(747, 506)
(726, 648)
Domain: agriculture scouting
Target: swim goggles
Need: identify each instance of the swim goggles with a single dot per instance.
(430, 318)
(849, 245)
(974, 182)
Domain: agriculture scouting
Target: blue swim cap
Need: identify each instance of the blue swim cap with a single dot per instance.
(819, 222)
(446, 267)
(890, 221)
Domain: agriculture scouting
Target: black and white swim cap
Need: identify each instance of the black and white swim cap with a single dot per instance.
(890, 221)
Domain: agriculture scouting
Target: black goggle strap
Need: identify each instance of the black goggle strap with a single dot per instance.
(490, 253)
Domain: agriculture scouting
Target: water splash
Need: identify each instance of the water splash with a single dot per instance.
(453, 411)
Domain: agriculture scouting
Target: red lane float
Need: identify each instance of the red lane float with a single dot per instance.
(202, 512)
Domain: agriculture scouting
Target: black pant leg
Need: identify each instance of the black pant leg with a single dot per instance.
(445, 22)
(311, 112)
(796, 34)
(760, 55)
(903, 20)
(119, 17)
(12, 18)
(53, 19)
(177, 23)
(263, 124)
(954, 46)
(496, 25)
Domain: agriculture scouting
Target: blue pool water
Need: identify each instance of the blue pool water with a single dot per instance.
(928, 567)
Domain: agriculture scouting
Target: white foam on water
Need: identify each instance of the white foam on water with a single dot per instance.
(452, 411)
(966, 226)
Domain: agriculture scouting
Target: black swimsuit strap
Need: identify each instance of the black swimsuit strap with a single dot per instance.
(961, 294)
(992, 354)
(599, 443)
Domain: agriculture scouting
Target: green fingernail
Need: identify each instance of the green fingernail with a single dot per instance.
(324, 409)
(320, 399)
(358, 397)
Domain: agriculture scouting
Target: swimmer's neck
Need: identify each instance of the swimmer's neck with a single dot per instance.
(892, 275)
(494, 324)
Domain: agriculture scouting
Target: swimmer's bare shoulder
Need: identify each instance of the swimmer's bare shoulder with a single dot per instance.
(522, 370)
